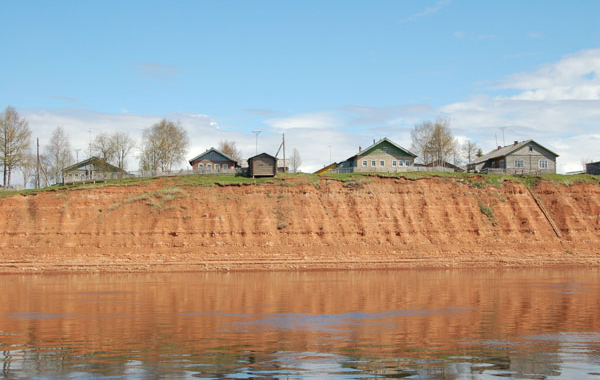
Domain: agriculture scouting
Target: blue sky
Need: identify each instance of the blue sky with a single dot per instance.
(326, 73)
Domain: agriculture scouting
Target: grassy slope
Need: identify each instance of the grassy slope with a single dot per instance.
(288, 179)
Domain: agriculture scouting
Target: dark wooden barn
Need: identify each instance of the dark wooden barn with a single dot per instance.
(262, 165)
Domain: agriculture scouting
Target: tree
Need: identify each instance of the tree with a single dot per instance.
(103, 147)
(15, 137)
(122, 144)
(479, 153)
(230, 148)
(295, 161)
(469, 150)
(434, 141)
(58, 153)
(163, 145)
(28, 168)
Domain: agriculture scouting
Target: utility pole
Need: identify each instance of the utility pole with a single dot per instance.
(89, 142)
(283, 142)
(37, 184)
(77, 154)
(256, 133)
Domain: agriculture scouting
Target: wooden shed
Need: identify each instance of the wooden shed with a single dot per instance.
(262, 165)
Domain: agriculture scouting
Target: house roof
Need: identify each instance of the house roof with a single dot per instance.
(93, 160)
(262, 154)
(324, 169)
(505, 151)
(198, 157)
(385, 139)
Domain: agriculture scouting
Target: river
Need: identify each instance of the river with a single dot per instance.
(415, 324)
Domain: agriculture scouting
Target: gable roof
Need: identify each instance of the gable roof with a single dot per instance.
(505, 151)
(376, 144)
(262, 154)
(93, 160)
(198, 157)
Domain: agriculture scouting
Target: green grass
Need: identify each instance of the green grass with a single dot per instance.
(291, 179)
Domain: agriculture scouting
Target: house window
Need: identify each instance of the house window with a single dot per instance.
(543, 164)
(225, 166)
(519, 164)
(373, 163)
(365, 163)
(400, 163)
(382, 163)
(530, 148)
(393, 162)
(208, 167)
(200, 166)
(217, 166)
(407, 163)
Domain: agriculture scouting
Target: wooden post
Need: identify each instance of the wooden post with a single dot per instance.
(284, 167)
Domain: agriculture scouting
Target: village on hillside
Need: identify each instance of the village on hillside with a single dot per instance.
(165, 144)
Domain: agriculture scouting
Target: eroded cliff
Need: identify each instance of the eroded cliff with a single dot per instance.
(375, 222)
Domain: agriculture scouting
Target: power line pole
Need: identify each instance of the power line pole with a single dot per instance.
(38, 165)
(256, 133)
(77, 154)
(283, 142)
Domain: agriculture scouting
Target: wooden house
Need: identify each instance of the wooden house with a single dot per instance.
(213, 161)
(92, 169)
(593, 168)
(383, 156)
(444, 164)
(525, 157)
(262, 165)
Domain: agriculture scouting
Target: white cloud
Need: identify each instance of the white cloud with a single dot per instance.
(428, 11)
(575, 77)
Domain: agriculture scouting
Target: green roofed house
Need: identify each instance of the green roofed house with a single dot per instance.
(92, 169)
(383, 156)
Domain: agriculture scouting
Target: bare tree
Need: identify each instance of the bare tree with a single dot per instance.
(434, 141)
(58, 153)
(230, 148)
(469, 150)
(28, 168)
(103, 147)
(479, 153)
(163, 145)
(15, 137)
(295, 161)
(122, 144)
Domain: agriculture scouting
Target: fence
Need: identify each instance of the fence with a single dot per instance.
(400, 170)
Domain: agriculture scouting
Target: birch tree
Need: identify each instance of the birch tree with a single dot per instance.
(122, 144)
(469, 150)
(103, 147)
(295, 161)
(164, 144)
(434, 141)
(15, 140)
(230, 148)
(58, 153)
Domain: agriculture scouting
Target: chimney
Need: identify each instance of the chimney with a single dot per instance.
(499, 147)
(359, 149)
(516, 142)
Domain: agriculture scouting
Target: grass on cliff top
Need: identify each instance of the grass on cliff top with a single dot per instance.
(350, 179)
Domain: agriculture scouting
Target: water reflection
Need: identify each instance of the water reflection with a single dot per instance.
(440, 324)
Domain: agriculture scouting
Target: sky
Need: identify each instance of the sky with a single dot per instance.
(331, 75)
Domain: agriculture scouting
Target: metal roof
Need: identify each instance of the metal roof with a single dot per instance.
(504, 151)
(93, 160)
(364, 151)
(212, 150)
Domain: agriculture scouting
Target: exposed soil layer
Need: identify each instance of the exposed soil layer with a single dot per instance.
(375, 223)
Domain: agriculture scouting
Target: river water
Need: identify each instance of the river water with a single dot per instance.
(415, 324)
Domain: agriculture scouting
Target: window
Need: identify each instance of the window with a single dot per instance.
(225, 166)
(373, 163)
(543, 164)
(407, 163)
(400, 163)
(530, 148)
(365, 163)
(382, 163)
(519, 164)
(393, 162)
(208, 166)
(200, 166)
(217, 166)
